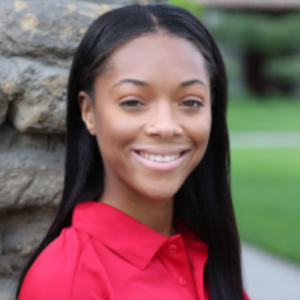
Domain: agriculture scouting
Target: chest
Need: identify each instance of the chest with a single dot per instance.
(172, 273)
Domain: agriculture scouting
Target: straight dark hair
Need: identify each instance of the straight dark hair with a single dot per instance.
(204, 201)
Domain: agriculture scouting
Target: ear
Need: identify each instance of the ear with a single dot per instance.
(87, 112)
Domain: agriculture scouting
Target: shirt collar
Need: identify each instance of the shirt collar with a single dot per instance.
(129, 238)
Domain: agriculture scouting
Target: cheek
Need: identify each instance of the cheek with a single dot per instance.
(109, 134)
(199, 128)
(114, 135)
(199, 131)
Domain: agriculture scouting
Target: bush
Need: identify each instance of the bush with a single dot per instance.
(259, 32)
(286, 68)
(191, 6)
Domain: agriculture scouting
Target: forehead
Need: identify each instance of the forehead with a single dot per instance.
(159, 53)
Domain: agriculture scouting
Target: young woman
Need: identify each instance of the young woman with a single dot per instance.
(146, 211)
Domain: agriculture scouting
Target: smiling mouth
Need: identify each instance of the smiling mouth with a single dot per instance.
(160, 158)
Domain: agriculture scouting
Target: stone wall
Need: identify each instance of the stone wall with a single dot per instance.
(37, 42)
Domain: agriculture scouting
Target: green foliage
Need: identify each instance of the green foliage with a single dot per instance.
(191, 6)
(233, 67)
(258, 31)
(265, 186)
(285, 68)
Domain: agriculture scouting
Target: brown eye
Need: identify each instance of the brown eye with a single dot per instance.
(192, 103)
(131, 103)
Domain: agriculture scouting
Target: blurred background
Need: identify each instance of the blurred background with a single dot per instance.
(260, 43)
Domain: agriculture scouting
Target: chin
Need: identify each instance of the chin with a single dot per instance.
(161, 194)
(157, 188)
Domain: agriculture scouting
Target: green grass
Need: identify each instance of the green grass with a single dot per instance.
(266, 194)
(265, 115)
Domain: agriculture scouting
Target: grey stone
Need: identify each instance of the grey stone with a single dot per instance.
(7, 288)
(3, 109)
(31, 169)
(21, 231)
(37, 93)
(48, 29)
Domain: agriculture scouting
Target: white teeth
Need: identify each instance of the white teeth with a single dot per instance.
(167, 158)
(159, 158)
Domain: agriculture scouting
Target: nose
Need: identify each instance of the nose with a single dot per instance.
(163, 122)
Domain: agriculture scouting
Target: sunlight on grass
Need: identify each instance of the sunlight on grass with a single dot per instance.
(266, 193)
(264, 115)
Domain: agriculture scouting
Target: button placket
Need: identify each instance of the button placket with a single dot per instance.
(182, 281)
(174, 257)
(172, 249)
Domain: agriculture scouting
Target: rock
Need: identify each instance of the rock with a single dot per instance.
(21, 231)
(37, 93)
(7, 288)
(49, 29)
(3, 109)
(31, 169)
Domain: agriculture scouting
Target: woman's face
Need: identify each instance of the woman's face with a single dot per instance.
(151, 114)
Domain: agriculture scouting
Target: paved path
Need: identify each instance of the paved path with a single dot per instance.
(267, 277)
(265, 139)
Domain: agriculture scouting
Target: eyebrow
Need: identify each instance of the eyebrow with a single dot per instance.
(191, 82)
(132, 81)
(144, 84)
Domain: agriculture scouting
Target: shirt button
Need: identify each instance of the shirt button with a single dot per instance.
(172, 249)
(182, 281)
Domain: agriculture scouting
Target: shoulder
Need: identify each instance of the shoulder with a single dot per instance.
(51, 275)
(246, 296)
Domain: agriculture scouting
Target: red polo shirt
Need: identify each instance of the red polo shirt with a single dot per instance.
(107, 255)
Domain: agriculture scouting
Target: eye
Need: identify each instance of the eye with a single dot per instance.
(131, 103)
(192, 103)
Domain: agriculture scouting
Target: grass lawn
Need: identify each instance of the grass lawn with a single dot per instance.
(266, 194)
(253, 115)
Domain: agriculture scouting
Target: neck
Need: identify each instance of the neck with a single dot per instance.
(157, 215)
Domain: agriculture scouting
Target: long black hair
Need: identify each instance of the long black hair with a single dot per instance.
(204, 201)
